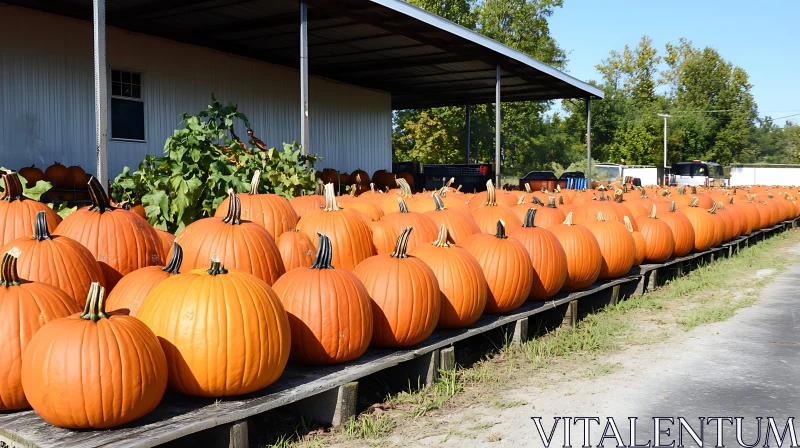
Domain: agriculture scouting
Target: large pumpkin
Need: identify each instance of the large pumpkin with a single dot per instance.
(682, 230)
(658, 239)
(25, 307)
(616, 244)
(329, 310)
(639, 245)
(584, 259)
(702, 224)
(309, 203)
(459, 223)
(384, 236)
(507, 267)
(487, 215)
(550, 215)
(131, 291)
(18, 213)
(56, 260)
(93, 369)
(239, 340)
(296, 248)
(240, 244)
(120, 241)
(350, 236)
(548, 258)
(425, 230)
(271, 211)
(461, 281)
(405, 296)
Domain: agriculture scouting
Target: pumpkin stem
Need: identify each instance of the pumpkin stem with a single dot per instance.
(8, 268)
(40, 228)
(13, 188)
(713, 209)
(176, 260)
(600, 217)
(731, 201)
(372, 187)
(561, 200)
(319, 188)
(521, 200)
(405, 189)
(353, 190)
(403, 205)
(537, 201)
(439, 202)
(653, 212)
(720, 206)
(95, 304)
(501, 230)
(491, 194)
(551, 202)
(694, 202)
(100, 202)
(618, 195)
(234, 215)
(672, 207)
(628, 224)
(568, 220)
(324, 253)
(216, 266)
(694, 190)
(401, 246)
(125, 205)
(255, 182)
(527, 187)
(459, 188)
(330, 199)
(529, 218)
(441, 239)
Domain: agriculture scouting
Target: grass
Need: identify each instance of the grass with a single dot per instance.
(368, 426)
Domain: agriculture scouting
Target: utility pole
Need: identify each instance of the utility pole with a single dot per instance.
(665, 136)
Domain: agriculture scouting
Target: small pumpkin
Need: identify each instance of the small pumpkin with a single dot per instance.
(31, 175)
(406, 301)
(94, 369)
(18, 213)
(584, 259)
(296, 248)
(658, 239)
(329, 310)
(58, 175)
(271, 211)
(548, 258)
(131, 291)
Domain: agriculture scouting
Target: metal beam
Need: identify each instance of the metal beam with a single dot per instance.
(469, 129)
(497, 161)
(304, 134)
(100, 91)
(589, 143)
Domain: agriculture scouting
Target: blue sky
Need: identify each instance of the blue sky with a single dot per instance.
(762, 37)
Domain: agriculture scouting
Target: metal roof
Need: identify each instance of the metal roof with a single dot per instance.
(389, 45)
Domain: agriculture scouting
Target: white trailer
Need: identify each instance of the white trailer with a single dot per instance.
(764, 174)
(612, 172)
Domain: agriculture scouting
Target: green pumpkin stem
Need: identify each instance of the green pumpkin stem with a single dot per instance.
(8, 268)
(95, 304)
(537, 201)
(176, 260)
(234, 215)
(653, 212)
(439, 202)
(100, 202)
(441, 239)
(324, 253)
(216, 266)
(402, 204)
(255, 182)
(501, 230)
(13, 188)
(491, 194)
(530, 216)
(401, 247)
(40, 231)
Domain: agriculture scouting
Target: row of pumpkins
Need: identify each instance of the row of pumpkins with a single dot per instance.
(58, 175)
(221, 308)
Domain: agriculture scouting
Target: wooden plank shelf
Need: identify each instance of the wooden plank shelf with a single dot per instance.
(179, 416)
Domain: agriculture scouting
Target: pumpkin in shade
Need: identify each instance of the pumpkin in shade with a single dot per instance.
(702, 224)
(138, 208)
(31, 175)
(58, 175)
(240, 244)
(638, 242)
(18, 213)
(131, 291)
(94, 369)
(461, 281)
(309, 203)
(584, 259)
(424, 228)
(658, 239)
(459, 223)
(487, 215)
(296, 248)
(350, 235)
(405, 296)
(507, 267)
(729, 227)
(329, 310)
(25, 307)
(56, 260)
(616, 247)
(271, 211)
(548, 258)
(119, 239)
(239, 340)
(166, 239)
(384, 236)
(682, 230)
(76, 177)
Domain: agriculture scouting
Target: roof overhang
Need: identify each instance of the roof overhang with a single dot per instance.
(388, 45)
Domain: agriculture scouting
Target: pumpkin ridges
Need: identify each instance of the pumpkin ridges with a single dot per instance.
(271, 211)
(583, 254)
(658, 237)
(296, 249)
(682, 230)
(617, 247)
(18, 213)
(548, 259)
(133, 289)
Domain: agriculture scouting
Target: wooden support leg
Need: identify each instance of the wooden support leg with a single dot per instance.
(652, 282)
(238, 435)
(425, 369)
(571, 317)
(447, 358)
(520, 335)
(641, 287)
(614, 295)
(333, 407)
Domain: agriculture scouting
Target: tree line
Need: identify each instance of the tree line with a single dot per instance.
(712, 113)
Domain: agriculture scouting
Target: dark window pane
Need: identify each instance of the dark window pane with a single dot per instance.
(126, 77)
(116, 89)
(126, 90)
(127, 119)
(136, 91)
(115, 75)
(136, 79)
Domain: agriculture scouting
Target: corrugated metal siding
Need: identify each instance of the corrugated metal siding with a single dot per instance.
(47, 99)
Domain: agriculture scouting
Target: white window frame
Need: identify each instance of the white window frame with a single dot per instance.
(142, 82)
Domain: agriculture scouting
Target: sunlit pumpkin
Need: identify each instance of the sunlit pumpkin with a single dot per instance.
(548, 258)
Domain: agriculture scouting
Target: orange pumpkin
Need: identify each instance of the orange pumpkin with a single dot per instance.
(507, 267)
(120, 240)
(702, 224)
(658, 239)
(384, 236)
(424, 228)
(25, 307)
(459, 223)
(405, 296)
(350, 236)
(166, 239)
(138, 208)
(638, 242)
(461, 281)
(487, 215)
(550, 215)
(240, 337)
(682, 230)
(93, 369)
(76, 177)
(240, 244)
(617, 247)
(296, 248)
(309, 203)
(131, 291)
(271, 211)
(584, 259)
(18, 213)
(31, 175)
(548, 258)
(58, 175)
(329, 311)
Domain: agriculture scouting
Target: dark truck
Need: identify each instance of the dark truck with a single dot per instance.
(548, 180)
